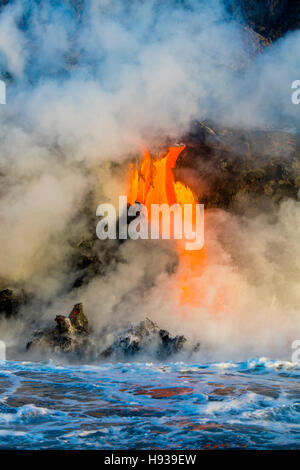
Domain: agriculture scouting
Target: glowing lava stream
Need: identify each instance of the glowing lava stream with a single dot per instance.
(153, 183)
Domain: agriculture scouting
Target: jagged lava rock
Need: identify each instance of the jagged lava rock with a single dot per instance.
(145, 337)
(78, 319)
(69, 336)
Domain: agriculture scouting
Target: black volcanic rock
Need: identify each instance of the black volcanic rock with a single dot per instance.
(78, 319)
(145, 337)
(223, 165)
(10, 301)
(270, 18)
(170, 344)
(6, 302)
(69, 336)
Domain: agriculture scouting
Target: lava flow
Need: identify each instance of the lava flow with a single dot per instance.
(153, 183)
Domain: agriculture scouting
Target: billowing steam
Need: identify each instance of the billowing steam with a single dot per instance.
(87, 82)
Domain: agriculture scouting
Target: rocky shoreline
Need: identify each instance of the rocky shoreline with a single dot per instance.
(72, 338)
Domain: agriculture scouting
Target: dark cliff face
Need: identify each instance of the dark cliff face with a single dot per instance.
(270, 18)
(226, 166)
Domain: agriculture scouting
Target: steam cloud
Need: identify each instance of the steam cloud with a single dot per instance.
(89, 82)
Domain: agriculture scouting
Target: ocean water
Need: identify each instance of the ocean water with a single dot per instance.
(242, 405)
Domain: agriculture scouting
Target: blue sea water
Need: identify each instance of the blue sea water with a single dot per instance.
(244, 405)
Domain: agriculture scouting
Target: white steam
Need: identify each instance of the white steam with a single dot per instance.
(88, 85)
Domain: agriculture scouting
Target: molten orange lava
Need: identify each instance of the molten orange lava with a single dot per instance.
(153, 183)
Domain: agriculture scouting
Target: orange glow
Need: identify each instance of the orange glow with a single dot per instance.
(153, 183)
